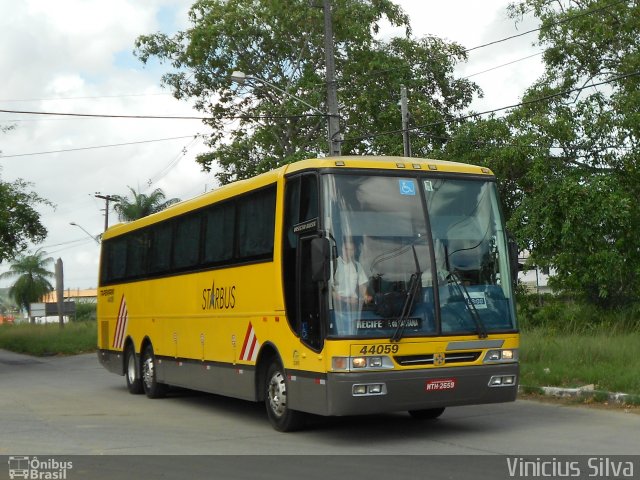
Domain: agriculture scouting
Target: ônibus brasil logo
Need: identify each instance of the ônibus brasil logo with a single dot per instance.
(36, 469)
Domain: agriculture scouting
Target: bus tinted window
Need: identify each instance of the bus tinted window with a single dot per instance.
(219, 233)
(186, 247)
(117, 259)
(160, 251)
(256, 219)
(136, 254)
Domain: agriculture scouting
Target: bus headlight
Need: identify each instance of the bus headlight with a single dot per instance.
(375, 362)
(359, 362)
(351, 364)
(501, 356)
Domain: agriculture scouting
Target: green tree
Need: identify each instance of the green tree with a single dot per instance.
(32, 279)
(585, 170)
(140, 204)
(282, 42)
(19, 220)
(570, 155)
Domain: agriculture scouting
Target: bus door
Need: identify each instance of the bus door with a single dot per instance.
(302, 294)
(309, 295)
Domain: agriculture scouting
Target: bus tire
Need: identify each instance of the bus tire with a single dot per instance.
(131, 372)
(152, 388)
(427, 413)
(280, 415)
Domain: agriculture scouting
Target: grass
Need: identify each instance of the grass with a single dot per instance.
(50, 339)
(609, 362)
(571, 344)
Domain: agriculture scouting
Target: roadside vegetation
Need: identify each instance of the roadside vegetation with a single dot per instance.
(569, 344)
(78, 336)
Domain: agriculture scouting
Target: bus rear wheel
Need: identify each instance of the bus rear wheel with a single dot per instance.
(152, 387)
(131, 372)
(280, 415)
(427, 413)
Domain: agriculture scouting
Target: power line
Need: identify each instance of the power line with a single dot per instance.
(503, 65)
(375, 73)
(495, 110)
(162, 117)
(172, 164)
(553, 24)
(79, 240)
(96, 147)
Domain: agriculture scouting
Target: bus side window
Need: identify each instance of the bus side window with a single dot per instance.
(160, 251)
(186, 246)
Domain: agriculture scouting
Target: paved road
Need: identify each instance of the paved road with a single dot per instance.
(72, 406)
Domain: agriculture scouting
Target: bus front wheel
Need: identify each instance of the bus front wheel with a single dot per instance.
(152, 387)
(427, 413)
(280, 415)
(131, 372)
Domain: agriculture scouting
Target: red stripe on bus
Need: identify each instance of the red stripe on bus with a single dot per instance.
(246, 340)
(253, 347)
(122, 323)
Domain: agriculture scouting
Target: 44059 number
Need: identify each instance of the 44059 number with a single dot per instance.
(379, 349)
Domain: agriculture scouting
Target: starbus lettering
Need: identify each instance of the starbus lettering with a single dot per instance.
(218, 298)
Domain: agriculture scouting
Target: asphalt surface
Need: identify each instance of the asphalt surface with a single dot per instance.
(61, 406)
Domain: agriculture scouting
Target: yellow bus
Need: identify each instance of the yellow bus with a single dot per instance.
(334, 286)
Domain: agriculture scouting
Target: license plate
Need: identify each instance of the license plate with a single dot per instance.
(440, 384)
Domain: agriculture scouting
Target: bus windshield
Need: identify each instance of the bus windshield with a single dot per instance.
(415, 256)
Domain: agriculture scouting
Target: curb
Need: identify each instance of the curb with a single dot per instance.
(584, 392)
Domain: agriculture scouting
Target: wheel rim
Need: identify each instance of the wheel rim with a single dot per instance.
(277, 393)
(131, 367)
(147, 372)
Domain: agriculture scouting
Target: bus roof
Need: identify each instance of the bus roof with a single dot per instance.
(268, 178)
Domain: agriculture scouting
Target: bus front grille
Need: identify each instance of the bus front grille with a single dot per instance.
(429, 359)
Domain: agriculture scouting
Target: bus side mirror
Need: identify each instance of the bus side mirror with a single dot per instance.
(320, 259)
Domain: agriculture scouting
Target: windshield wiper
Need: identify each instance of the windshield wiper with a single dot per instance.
(473, 311)
(414, 286)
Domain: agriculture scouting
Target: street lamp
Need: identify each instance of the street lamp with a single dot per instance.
(94, 238)
(332, 124)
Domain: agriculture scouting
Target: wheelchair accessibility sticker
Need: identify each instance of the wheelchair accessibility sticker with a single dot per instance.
(407, 187)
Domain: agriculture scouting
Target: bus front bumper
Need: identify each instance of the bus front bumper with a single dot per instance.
(357, 393)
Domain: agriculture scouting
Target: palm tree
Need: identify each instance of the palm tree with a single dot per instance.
(32, 279)
(141, 204)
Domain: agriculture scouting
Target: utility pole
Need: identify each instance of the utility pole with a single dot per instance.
(404, 110)
(107, 199)
(333, 123)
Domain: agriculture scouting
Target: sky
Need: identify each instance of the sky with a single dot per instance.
(76, 56)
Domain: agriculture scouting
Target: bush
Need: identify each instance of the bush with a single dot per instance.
(555, 314)
(85, 312)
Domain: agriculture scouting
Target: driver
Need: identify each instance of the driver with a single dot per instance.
(350, 280)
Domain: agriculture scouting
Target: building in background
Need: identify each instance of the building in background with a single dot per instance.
(79, 296)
